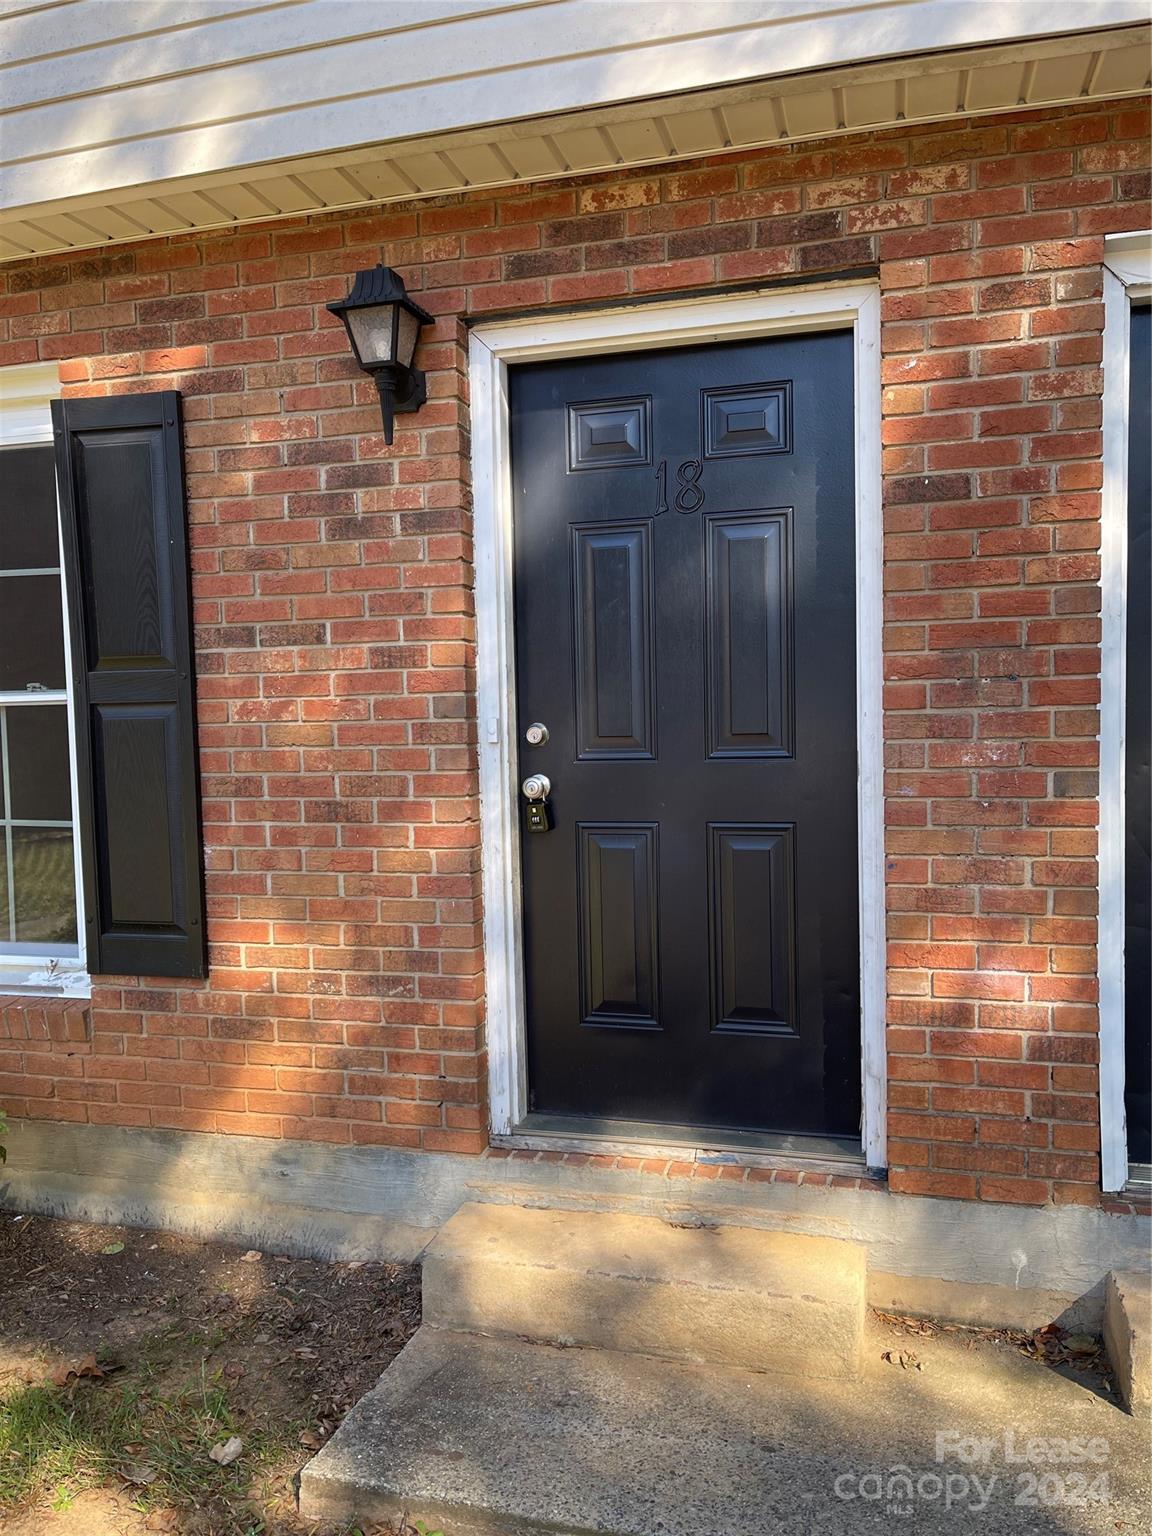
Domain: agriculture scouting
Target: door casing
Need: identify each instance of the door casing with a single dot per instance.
(493, 346)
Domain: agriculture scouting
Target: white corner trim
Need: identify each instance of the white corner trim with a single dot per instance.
(870, 731)
(1127, 275)
(492, 347)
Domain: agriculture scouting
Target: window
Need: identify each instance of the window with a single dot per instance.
(40, 940)
(101, 863)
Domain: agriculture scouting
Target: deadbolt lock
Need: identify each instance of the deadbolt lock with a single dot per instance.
(536, 734)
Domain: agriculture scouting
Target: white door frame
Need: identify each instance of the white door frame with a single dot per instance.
(493, 346)
(1127, 276)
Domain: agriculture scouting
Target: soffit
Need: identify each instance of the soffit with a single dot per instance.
(1085, 67)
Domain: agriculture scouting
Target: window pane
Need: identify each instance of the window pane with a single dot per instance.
(31, 632)
(28, 536)
(45, 885)
(38, 770)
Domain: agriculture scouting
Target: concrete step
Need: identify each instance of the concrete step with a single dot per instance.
(768, 1301)
(497, 1437)
(1128, 1337)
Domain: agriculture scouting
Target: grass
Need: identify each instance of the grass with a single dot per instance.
(197, 1343)
(54, 1442)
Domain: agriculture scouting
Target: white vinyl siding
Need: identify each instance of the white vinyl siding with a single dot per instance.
(110, 96)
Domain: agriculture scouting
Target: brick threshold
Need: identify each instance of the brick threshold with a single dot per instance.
(688, 1156)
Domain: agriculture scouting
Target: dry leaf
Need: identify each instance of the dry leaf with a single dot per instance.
(904, 1358)
(310, 1440)
(1081, 1344)
(227, 1451)
(87, 1367)
(162, 1520)
(253, 1256)
(141, 1473)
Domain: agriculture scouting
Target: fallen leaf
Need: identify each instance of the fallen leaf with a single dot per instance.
(162, 1520)
(227, 1451)
(253, 1256)
(1081, 1344)
(141, 1473)
(310, 1440)
(87, 1368)
(904, 1358)
(113, 1248)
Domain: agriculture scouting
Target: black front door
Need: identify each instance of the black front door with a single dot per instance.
(1138, 750)
(685, 630)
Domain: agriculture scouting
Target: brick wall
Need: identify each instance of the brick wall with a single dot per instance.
(334, 628)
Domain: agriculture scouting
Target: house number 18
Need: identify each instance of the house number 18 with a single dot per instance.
(690, 496)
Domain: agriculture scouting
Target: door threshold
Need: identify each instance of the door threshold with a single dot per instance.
(693, 1143)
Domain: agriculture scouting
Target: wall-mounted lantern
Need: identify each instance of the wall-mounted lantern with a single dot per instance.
(383, 324)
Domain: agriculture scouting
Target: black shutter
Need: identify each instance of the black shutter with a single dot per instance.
(118, 464)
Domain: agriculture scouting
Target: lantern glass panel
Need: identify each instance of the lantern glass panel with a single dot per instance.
(406, 341)
(372, 331)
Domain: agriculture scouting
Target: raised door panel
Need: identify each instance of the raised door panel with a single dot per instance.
(754, 419)
(612, 621)
(609, 434)
(753, 934)
(618, 926)
(748, 635)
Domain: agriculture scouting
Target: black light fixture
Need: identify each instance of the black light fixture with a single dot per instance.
(383, 324)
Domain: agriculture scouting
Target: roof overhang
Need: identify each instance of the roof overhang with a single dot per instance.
(922, 88)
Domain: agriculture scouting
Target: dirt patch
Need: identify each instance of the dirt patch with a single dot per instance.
(190, 1344)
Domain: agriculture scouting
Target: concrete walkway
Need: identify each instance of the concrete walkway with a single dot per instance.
(496, 1437)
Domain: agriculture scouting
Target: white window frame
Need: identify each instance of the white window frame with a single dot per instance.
(1127, 278)
(682, 322)
(26, 393)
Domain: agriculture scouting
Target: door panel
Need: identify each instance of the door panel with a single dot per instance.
(611, 619)
(748, 642)
(684, 576)
(620, 977)
(752, 893)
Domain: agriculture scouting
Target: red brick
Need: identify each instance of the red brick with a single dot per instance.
(333, 591)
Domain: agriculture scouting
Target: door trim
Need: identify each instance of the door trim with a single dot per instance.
(682, 322)
(1127, 276)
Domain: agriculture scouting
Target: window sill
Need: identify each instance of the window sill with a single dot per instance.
(27, 982)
